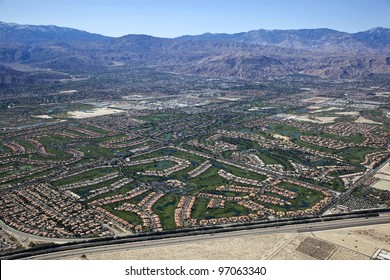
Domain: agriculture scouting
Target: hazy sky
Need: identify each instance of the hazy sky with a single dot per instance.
(171, 18)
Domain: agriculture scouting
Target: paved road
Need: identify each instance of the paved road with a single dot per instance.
(318, 226)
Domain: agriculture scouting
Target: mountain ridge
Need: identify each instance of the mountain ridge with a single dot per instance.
(253, 55)
(13, 32)
(249, 36)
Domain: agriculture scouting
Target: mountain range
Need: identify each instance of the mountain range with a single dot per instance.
(254, 55)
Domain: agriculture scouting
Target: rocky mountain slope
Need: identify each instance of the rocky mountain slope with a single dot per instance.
(253, 55)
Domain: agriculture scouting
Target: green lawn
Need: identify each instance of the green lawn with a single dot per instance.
(36, 175)
(94, 129)
(305, 199)
(18, 168)
(93, 151)
(200, 210)
(165, 209)
(121, 190)
(84, 191)
(356, 155)
(181, 175)
(26, 144)
(240, 172)
(125, 215)
(89, 175)
(160, 165)
(55, 145)
(4, 149)
(266, 158)
(208, 180)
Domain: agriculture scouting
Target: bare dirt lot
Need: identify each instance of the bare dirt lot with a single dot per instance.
(384, 175)
(348, 113)
(93, 113)
(282, 137)
(385, 169)
(382, 185)
(364, 120)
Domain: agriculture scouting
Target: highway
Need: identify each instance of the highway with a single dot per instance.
(296, 228)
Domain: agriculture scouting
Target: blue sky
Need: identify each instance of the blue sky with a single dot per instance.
(171, 18)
